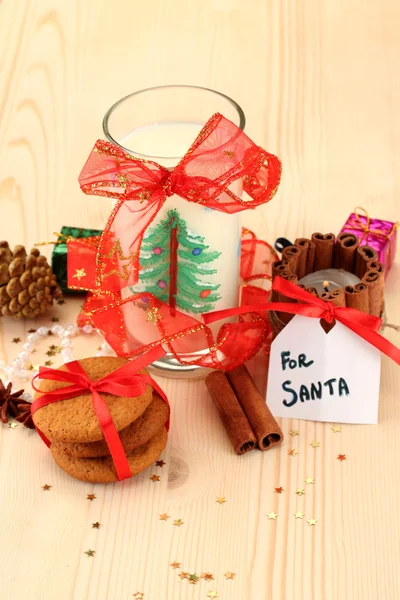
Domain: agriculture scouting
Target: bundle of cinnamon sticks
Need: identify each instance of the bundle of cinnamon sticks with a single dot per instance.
(243, 411)
(324, 251)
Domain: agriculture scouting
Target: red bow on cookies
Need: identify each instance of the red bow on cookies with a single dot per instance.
(125, 381)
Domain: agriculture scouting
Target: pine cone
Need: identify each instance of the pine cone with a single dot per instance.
(27, 283)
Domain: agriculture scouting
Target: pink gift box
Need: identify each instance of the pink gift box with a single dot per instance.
(380, 235)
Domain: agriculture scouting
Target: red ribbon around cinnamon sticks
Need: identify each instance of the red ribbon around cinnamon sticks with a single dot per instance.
(364, 325)
(125, 381)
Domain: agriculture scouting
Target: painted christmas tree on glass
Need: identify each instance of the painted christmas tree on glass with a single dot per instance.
(175, 266)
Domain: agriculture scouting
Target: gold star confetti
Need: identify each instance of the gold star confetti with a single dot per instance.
(90, 552)
(50, 333)
(300, 492)
(294, 432)
(55, 319)
(299, 515)
(16, 340)
(48, 363)
(160, 463)
(155, 478)
(50, 353)
(220, 499)
(212, 594)
(33, 351)
(153, 315)
(341, 457)
(31, 330)
(12, 425)
(207, 576)
(309, 480)
(272, 515)
(164, 517)
(229, 575)
(175, 565)
(46, 487)
(193, 578)
(96, 525)
(138, 595)
(178, 522)
(60, 302)
(79, 273)
(336, 429)
(184, 575)
(91, 497)
(312, 521)
(293, 452)
(315, 444)
(279, 490)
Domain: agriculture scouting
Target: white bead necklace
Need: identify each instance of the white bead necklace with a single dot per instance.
(19, 368)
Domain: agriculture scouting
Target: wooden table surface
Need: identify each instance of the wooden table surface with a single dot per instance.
(320, 84)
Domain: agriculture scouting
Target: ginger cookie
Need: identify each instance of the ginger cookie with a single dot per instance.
(102, 470)
(74, 420)
(136, 434)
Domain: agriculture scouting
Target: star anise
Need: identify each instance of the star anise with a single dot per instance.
(25, 416)
(8, 402)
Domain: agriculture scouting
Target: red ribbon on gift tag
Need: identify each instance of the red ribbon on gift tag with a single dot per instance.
(124, 381)
(364, 325)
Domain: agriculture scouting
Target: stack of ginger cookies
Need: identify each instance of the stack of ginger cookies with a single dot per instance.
(77, 443)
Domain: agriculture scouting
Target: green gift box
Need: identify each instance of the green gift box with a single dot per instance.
(59, 254)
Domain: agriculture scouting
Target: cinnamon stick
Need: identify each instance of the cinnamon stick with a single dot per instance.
(364, 255)
(324, 248)
(232, 416)
(345, 251)
(375, 283)
(264, 425)
(336, 297)
(375, 265)
(306, 259)
(278, 266)
(357, 297)
(312, 290)
(292, 255)
(286, 317)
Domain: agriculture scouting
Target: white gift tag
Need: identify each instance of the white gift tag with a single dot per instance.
(323, 376)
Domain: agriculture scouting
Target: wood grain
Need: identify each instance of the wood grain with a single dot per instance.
(320, 85)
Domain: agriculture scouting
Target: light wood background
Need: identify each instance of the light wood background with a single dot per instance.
(320, 84)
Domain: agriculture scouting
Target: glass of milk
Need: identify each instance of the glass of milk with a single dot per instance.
(160, 124)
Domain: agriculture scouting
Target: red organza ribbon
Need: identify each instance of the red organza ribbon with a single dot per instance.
(256, 257)
(221, 154)
(125, 381)
(364, 325)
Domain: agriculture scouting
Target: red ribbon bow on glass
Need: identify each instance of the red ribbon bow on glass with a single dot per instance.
(124, 381)
(364, 325)
(221, 154)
